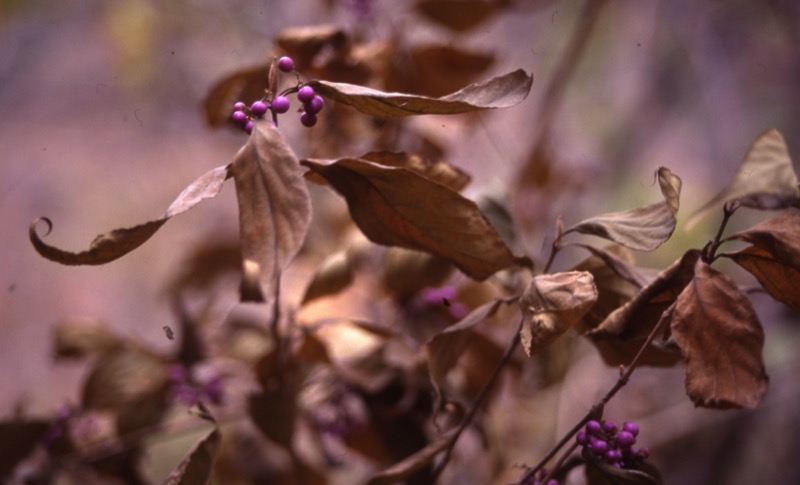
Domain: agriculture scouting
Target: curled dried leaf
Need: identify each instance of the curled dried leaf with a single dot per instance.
(552, 304)
(765, 180)
(721, 340)
(246, 85)
(778, 278)
(779, 235)
(438, 171)
(274, 208)
(499, 92)
(398, 207)
(119, 242)
(644, 228)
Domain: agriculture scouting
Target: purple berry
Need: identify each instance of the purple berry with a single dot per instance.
(239, 106)
(552, 481)
(239, 118)
(610, 427)
(286, 64)
(308, 120)
(625, 439)
(643, 453)
(258, 109)
(631, 428)
(315, 105)
(599, 447)
(613, 456)
(248, 127)
(594, 428)
(280, 104)
(306, 94)
(582, 438)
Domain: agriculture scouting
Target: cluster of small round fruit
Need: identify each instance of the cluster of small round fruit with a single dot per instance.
(245, 117)
(611, 444)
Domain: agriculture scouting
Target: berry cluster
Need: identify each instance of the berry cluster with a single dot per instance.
(611, 444)
(245, 117)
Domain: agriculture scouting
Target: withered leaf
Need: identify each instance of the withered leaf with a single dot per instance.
(409, 465)
(398, 207)
(644, 228)
(196, 466)
(304, 43)
(119, 242)
(552, 304)
(438, 171)
(779, 235)
(17, 440)
(457, 15)
(406, 271)
(721, 341)
(332, 276)
(247, 85)
(765, 179)
(274, 208)
(779, 279)
(499, 92)
(444, 348)
(599, 472)
(638, 316)
(618, 282)
(78, 338)
(274, 411)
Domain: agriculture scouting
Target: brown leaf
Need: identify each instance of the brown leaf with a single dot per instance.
(406, 271)
(408, 466)
(304, 43)
(721, 341)
(779, 279)
(274, 411)
(332, 276)
(618, 283)
(457, 15)
(119, 242)
(552, 304)
(644, 228)
(499, 92)
(246, 85)
(444, 348)
(439, 171)
(765, 179)
(196, 466)
(17, 440)
(638, 316)
(398, 207)
(274, 207)
(599, 472)
(779, 235)
(79, 338)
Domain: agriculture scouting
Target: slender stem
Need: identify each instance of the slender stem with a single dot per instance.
(560, 462)
(556, 87)
(597, 410)
(727, 212)
(479, 400)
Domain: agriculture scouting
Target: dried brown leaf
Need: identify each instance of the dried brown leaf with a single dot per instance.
(398, 207)
(457, 15)
(304, 43)
(196, 466)
(438, 171)
(779, 235)
(618, 282)
(499, 92)
(779, 279)
(437, 70)
(246, 85)
(721, 341)
(411, 464)
(274, 411)
(78, 338)
(552, 304)
(406, 271)
(274, 208)
(765, 179)
(332, 276)
(444, 348)
(599, 472)
(644, 228)
(119, 242)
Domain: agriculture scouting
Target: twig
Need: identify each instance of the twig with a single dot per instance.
(478, 401)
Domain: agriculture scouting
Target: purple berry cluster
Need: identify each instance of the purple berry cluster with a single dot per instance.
(611, 444)
(245, 117)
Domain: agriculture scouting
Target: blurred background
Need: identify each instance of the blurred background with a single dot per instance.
(103, 125)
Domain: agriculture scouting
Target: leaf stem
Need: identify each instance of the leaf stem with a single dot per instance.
(512, 346)
(596, 412)
(727, 211)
